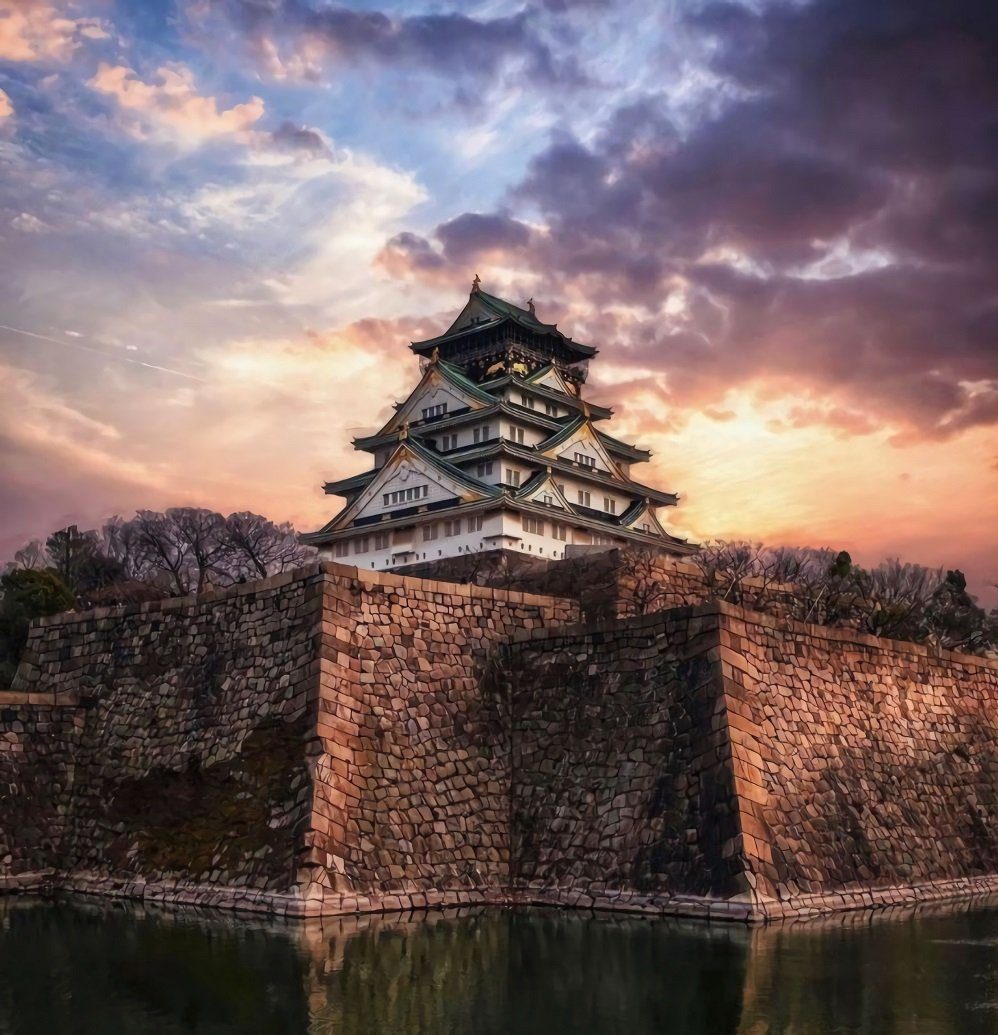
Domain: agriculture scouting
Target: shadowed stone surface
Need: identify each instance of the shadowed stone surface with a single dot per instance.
(333, 741)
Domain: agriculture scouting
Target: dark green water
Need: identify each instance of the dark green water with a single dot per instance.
(102, 969)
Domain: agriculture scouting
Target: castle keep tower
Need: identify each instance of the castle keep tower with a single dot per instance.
(495, 448)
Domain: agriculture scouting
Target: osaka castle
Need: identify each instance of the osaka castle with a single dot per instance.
(495, 449)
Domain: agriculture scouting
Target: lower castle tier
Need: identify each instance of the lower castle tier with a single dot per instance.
(495, 448)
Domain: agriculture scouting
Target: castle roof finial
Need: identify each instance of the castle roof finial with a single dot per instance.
(530, 306)
(434, 357)
(475, 283)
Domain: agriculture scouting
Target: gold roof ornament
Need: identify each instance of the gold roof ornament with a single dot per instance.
(435, 357)
(530, 306)
(404, 431)
(475, 284)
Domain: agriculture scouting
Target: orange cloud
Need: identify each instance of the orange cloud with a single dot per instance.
(33, 30)
(173, 104)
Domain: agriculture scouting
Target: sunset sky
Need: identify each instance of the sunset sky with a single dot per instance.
(222, 221)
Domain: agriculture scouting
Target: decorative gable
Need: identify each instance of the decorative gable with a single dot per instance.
(544, 490)
(437, 387)
(550, 377)
(581, 444)
(642, 518)
(411, 478)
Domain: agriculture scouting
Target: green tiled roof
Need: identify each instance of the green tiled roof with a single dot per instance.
(503, 310)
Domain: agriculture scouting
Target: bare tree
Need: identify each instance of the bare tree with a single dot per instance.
(160, 546)
(256, 547)
(202, 533)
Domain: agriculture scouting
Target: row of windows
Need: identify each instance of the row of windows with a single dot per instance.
(534, 525)
(434, 411)
(452, 527)
(585, 461)
(414, 492)
(584, 496)
(537, 526)
(550, 408)
(381, 541)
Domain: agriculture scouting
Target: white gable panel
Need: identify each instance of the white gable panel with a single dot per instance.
(553, 379)
(585, 444)
(414, 480)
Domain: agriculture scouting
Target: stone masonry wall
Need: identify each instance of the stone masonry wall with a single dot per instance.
(621, 777)
(874, 763)
(412, 787)
(164, 741)
(322, 732)
(715, 751)
(336, 741)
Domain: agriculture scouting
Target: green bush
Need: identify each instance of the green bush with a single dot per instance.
(27, 594)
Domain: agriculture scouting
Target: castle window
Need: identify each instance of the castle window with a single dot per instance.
(452, 527)
(551, 409)
(416, 492)
(609, 505)
(559, 531)
(533, 525)
(585, 461)
(430, 412)
(429, 532)
(516, 434)
(448, 442)
(528, 401)
(512, 477)
(585, 499)
(483, 434)
(485, 469)
(360, 544)
(475, 523)
(342, 548)
(547, 498)
(381, 541)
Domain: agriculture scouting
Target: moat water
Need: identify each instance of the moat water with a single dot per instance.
(71, 967)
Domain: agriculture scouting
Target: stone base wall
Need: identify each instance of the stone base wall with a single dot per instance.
(322, 733)
(339, 741)
(619, 775)
(876, 762)
(412, 784)
(789, 769)
(170, 741)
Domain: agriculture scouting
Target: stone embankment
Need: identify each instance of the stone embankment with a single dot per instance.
(333, 741)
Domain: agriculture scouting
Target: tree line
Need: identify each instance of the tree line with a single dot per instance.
(895, 599)
(152, 555)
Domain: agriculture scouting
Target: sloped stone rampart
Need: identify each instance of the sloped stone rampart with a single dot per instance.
(164, 741)
(871, 762)
(341, 741)
(412, 785)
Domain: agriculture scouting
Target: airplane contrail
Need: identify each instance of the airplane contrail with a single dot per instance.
(101, 352)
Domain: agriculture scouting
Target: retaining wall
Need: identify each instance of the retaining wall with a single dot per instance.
(337, 741)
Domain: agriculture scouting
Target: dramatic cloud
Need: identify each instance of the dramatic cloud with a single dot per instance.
(33, 30)
(292, 39)
(835, 226)
(172, 104)
(777, 221)
(289, 137)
